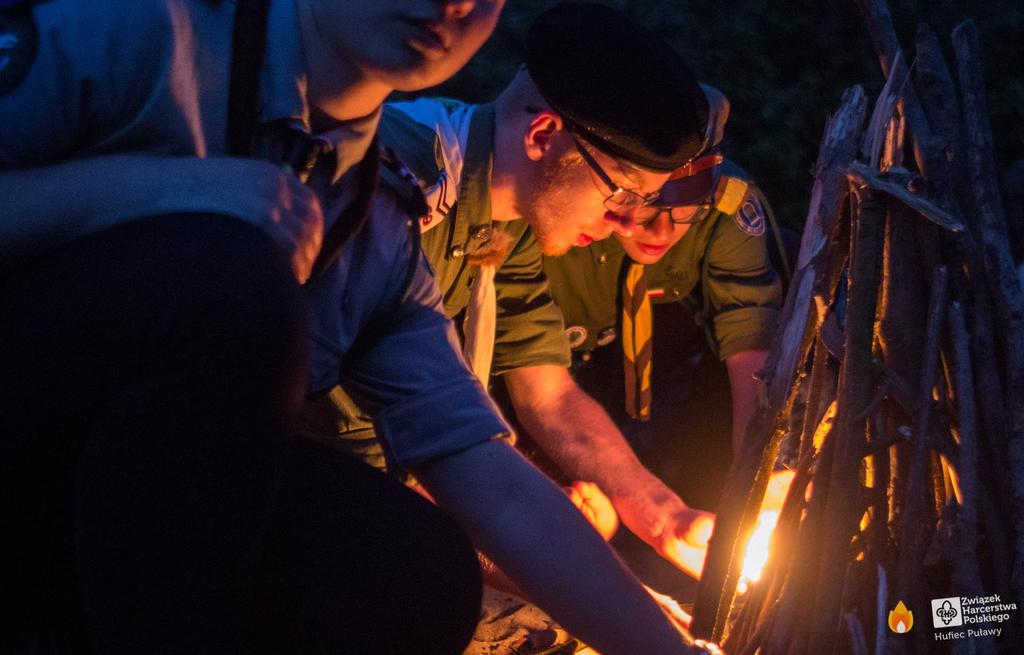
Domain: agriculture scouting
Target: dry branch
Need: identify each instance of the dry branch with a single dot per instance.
(1006, 288)
(856, 390)
(886, 183)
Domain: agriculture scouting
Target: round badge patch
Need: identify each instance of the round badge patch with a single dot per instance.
(18, 42)
(576, 335)
(750, 218)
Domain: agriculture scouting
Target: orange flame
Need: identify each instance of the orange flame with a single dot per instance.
(901, 619)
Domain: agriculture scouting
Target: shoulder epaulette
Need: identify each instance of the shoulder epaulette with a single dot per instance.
(730, 194)
(406, 186)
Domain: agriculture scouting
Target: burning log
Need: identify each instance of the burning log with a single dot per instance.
(911, 443)
(748, 477)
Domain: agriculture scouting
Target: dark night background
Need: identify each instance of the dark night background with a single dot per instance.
(784, 66)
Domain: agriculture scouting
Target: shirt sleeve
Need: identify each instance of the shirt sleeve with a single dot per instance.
(95, 69)
(741, 286)
(529, 330)
(405, 366)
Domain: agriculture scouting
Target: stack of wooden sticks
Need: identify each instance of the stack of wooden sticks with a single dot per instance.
(897, 376)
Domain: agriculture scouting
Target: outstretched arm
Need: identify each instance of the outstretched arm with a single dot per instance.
(578, 435)
(526, 524)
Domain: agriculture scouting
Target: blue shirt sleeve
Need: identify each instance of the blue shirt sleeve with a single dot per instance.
(404, 365)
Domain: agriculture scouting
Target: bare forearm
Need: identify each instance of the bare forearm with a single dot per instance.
(530, 529)
(577, 434)
(742, 367)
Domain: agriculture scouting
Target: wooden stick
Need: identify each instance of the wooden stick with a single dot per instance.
(812, 412)
(855, 384)
(858, 642)
(902, 313)
(1006, 289)
(882, 182)
(914, 524)
(787, 634)
(881, 611)
(935, 87)
(877, 133)
(879, 527)
(927, 153)
(966, 572)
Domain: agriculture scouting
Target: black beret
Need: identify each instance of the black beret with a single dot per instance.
(618, 85)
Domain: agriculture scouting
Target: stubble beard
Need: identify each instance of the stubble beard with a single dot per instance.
(547, 206)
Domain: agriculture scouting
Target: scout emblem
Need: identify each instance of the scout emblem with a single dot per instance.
(18, 41)
(440, 199)
(750, 218)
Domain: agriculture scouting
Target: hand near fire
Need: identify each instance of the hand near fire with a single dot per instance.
(595, 506)
(678, 533)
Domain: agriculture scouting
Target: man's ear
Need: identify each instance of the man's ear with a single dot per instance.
(540, 132)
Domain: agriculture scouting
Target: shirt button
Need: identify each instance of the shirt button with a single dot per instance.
(456, 252)
(603, 259)
(676, 293)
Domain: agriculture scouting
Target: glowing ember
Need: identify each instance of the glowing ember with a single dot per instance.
(757, 549)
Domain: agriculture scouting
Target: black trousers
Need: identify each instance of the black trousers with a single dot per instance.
(152, 499)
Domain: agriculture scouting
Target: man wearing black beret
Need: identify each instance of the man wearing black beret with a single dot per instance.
(589, 129)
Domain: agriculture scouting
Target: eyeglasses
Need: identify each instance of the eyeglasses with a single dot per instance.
(619, 200)
(644, 216)
(690, 186)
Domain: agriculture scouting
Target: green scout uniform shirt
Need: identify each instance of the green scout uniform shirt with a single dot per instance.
(529, 327)
(741, 291)
(529, 324)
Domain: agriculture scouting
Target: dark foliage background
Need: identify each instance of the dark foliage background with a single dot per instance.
(784, 65)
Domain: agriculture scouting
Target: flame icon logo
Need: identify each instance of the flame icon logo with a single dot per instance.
(901, 619)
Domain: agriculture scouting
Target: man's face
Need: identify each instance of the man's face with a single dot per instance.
(564, 201)
(405, 44)
(649, 243)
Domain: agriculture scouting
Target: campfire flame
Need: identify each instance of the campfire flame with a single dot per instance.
(901, 619)
(757, 549)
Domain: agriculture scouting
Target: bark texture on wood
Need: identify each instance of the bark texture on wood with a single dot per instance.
(966, 571)
(843, 510)
(1006, 289)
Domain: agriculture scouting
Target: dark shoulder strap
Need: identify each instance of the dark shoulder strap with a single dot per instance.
(248, 43)
(355, 215)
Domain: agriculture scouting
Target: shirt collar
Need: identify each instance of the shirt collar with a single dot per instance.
(283, 84)
(475, 186)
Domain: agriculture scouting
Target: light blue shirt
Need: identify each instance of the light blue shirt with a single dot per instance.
(151, 77)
